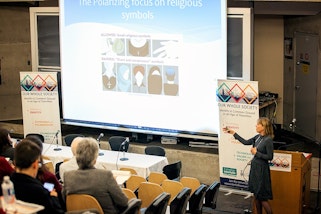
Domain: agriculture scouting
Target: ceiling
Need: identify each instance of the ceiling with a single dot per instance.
(281, 7)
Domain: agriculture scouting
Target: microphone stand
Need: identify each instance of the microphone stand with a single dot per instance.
(56, 138)
(100, 153)
(122, 145)
(123, 158)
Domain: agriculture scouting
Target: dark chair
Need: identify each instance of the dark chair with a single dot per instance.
(196, 200)
(37, 135)
(133, 206)
(159, 205)
(179, 203)
(70, 137)
(116, 141)
(173, 170)
(211, 195)
(57, 170)
(155, 150)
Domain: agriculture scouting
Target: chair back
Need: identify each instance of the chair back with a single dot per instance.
(155, 150)
(115, 143)
(197, 199)
(70, 137)
(81, 202)
(173, 170)
(159, 204)
(133, 206)
(147, 192)
(129, 193)
(85, 211)
(37, 135)
(49, 166)
(132, 171)
(212, 194)
(134, 181)
(190, 182)
(156, 177)
(172, 187)
(57, 167)
(179, 203)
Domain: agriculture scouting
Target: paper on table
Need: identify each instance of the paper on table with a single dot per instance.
(121, 176)
(25, 208)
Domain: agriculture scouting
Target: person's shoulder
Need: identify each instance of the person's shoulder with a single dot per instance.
(70, 173)
(4, 161)
(103, 172)
(49, 175)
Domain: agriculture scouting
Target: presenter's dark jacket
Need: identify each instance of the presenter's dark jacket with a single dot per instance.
(31, 190)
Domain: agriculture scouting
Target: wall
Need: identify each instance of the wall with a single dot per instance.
(309, 24)
(268, 57)
(15, 56)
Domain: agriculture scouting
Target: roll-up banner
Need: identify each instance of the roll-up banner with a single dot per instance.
(238, 110)
(40, 105)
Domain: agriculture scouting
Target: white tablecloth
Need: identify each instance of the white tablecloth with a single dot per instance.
(143, 164)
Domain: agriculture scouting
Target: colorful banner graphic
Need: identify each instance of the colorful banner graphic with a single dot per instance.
(281, 162)
(40, 105)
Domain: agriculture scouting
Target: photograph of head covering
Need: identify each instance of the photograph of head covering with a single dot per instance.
(155, 80)
(170, 85)
(124, 78)
(139, 80)
(138, 46)
(108, 75)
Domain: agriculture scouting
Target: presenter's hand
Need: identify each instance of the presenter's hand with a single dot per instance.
(229, 131)
(253, 150)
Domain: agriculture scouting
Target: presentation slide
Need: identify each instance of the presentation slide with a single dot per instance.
(147, 66)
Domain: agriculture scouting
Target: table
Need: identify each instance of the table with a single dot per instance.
(142, 163)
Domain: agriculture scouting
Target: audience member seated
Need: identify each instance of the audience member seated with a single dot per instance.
(27, 159)
(99, 183)
(5, 169)
(6, 149)
(71, 164)
(44, 175)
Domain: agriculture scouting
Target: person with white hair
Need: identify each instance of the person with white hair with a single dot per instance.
(98, 183)
(70, 164)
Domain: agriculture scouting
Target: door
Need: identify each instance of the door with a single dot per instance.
(305, 92)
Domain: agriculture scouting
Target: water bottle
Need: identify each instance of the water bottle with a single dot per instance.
(9, 197)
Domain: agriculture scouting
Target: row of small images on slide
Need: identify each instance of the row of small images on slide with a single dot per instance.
(135, 81)
(140, 47)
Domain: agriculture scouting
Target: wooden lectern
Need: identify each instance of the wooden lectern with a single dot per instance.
(291, 190)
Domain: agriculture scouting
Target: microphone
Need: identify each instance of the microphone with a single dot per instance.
(56, 137)
(122, 145)
(101, 135)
